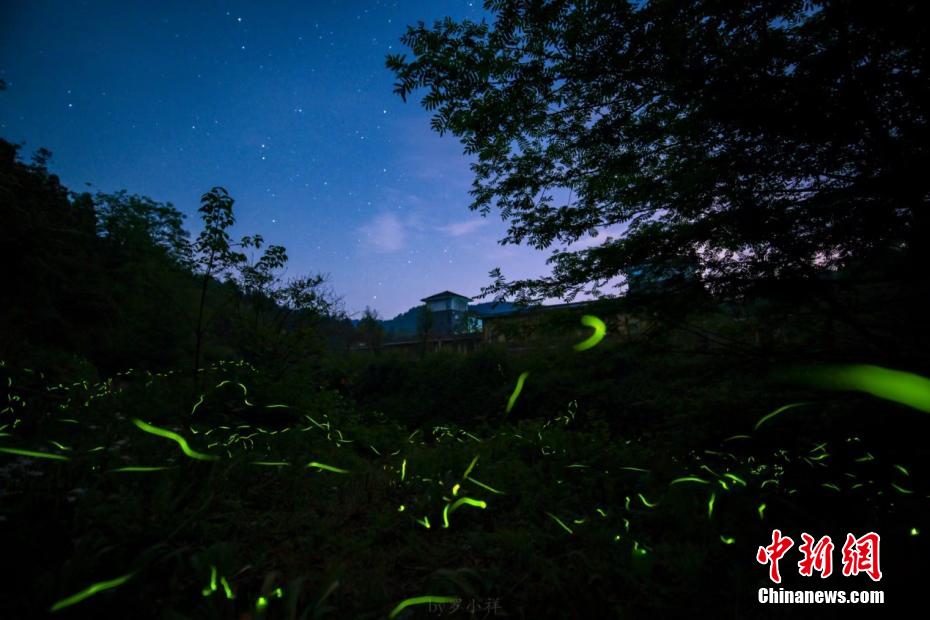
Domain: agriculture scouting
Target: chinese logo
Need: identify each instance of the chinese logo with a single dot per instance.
(859, 555)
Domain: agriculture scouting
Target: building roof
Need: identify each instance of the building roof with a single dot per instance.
(444, 295)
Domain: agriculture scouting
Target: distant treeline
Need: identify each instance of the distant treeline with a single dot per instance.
(98, 283)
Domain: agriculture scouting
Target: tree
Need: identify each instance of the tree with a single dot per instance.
(768, 140)
(214, 253)
(370, 329)
(278, 319)
(425, 322)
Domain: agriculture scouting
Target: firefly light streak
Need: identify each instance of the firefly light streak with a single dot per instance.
(769, 416)
(516, 392)
(560, 522)
(421, 600)
(90, 591)
(34, 454)
(600, 329)
(894, 385)
(154, 430)
(335, 470)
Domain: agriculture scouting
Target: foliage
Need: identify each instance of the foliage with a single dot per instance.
(762, 140)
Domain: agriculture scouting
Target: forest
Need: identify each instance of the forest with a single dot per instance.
(187, 430)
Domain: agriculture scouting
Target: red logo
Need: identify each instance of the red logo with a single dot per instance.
(860, 555)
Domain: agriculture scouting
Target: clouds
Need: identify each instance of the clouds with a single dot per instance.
(384, 234)
(459, 229)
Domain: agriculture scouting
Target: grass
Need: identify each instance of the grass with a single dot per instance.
(645, 490)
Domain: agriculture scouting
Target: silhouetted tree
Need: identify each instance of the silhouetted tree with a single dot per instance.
(772, 139)
(425, 322)
(370, 329)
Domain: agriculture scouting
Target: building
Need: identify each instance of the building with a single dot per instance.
(450, 312)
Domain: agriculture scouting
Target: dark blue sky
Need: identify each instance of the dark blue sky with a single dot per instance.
(287, 105)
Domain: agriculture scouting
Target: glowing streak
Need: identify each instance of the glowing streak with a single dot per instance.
(626, 503)
(424, 522)
(637, 550)
(600, 329)
(710, 505)
(601, 512)
(830, 485)
(710, 471)
(486, 487)
(470, 467)
(737, 437)
(727, 540)
(735, 479)
(517, 390)
(154, 430)
(688, 479)
(768, 417)
(403, 470)
(197, 404)
(645, 502)
(864, 459)
(559, 521)
(455, 489)
(761, 510)
(902, 469)
(138, 469)
(900, 489)
(639, 469)
(38, 455)
(894, 385)
(277, 407)
(336, 470)
(58, 445)
(420, 600)
(90, 591)
(226, 588)
(270, 463)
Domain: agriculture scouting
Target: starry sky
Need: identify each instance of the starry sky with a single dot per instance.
(287, 105)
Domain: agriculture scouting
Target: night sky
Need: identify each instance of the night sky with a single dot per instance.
(287, 105)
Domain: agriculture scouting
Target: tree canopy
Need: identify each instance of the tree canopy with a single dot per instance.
(760, 140)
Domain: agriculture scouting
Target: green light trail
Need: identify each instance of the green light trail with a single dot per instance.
(420, 600)
(684, 479)
(154, 430)
(517, 390)
(90, 591)
(559, 521)
(34, 454)
(600, 330)
(769, 416)
(895, 385)
(486, 487)
(470, 467)
(336, 470)
(226, 588)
